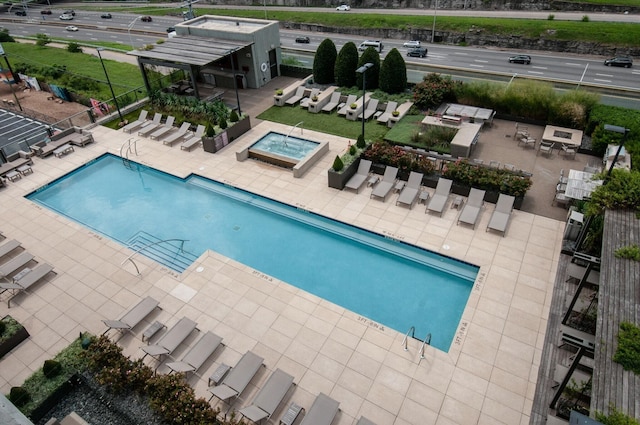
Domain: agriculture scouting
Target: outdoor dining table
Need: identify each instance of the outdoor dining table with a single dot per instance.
(580, 184)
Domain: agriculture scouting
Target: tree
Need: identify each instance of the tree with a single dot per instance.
(42, 39)
(370, 55)
(325, 62)
(74, 47)
(393, 73)
(346, 64)
(432, 90)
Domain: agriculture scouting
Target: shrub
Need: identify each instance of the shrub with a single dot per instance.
(630, 252)
(51, 368)
(346, 65)
(325, 62)
(5, 37)
(551, 17)
(615, 417)
(360, 143)
(433, 90)
(370, 55)
(338, 165)
(386, 154)
(393, 73)
(621, 192)
(628, 352)
(487, 178)
(3, 326)
(279, 92)
(223, 123)
(585, 18)
(352, 150)
(210, 131)
(19, 396)
(74, 47)
(233, 117)
(42, 39)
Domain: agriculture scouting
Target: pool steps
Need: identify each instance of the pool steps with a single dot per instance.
(169, 253)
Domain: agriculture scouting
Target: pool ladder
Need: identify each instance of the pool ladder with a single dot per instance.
(131, 147)
(405, 341)
(291, 131)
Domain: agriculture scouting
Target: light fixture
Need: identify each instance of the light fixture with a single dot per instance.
(363, 70)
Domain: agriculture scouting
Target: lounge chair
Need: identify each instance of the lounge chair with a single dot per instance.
(370, 110)
(237, 380)
(344, 107)
(14, 264)
(365, 421)
(26, 281)
(131, 318)
(333, 102)
(161, 131)
(383, 188)
(171, 340)
(132, 126)
(502, 214)
(8, 246)
(384, 117)
(358, 179)
(411, 190)
(198, 354)
(269, 397)
(297, 97)
(177, 135)
(471, 210)
(322, 412)
(304, 103)
(193, 140)
(440, 197)
(151, 126)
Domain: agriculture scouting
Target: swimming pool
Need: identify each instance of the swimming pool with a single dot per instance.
(393, 283)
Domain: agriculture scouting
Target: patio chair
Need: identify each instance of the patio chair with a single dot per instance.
(322, 412)
(177, 135)
(440, 197)
(560, 199)
(384, 117)
(509, 167)
(527, 142)
(193, 140)
(131, 318)
(494, 164)
(563, 179)
(304, 103)
(546, 148)
(370, 110)
(237, 380)
(8, 246)
(568, 151)
(333, 102)
(269, 397)
(471, 210)
(344, 107)
(411, 190)
(198, 354)
(14, 264)
(132, 126)
(502, 214)
(297, 97)
(383, 188)
(25, 282)
(168, 343)
(521, 131)
(162, 130)
(358, 179)
(151, 126)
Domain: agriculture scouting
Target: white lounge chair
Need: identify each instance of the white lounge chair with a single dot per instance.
(198, 354)
(344, 107)
(237, 380)
(132, 126)
(471, 210)
(8, 246)
(26, 281)
(383, 188)
(269, 397)
(322, 412)
(358, 179)
(502, 214)
(440, 197)
(14, 264)
(178, 135)
(384, 117)
(193, 140)
(411, 190)
(370, 110)
(168, 343)
(304, 103)
(166, 128)
(297, 97)
(333, 102)
(131, 318)
(151, 126)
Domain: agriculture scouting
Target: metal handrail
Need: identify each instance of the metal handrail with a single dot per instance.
(130, 258)
(412, 329)
(291, 131)
(427, 341)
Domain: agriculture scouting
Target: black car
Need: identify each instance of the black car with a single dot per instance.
(45, 12)
(303, 40)
(106, 16)
(417, 52)
(21, 13)
(623, 61)
(69, 12)
(146, 19)
(524, 59)
(171, 29)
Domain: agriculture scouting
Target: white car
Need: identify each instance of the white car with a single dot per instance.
(412, 43)
(66, 17)
(71, 28)
(343, 7)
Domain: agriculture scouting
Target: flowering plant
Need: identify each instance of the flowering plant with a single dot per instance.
(487, 178)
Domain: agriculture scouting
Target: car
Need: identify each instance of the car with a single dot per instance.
(72, 28)
(343, 7)
(624, 61)
(171, 29)
(21, 13)
(69, 12)
(417, 52)
(146, 19)
(66, 17)
(303, 40)
(106, 16)
(45, 12)
(523, 59)
(412, 43)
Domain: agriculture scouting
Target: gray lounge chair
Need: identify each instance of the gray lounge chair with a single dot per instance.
(365, 421)
(151, 126)
(15, 264)
(269, 397)
(502, 214)
(383, 188)
(131, 318)
(178, 135)
(358, 179)
(344, 107)
(171, 340)
(237, 380)
(333, 102)
(162, 130)
(471, 210)
(411, 190)
(384, 117)
(133, 126)
(8, 246)
(304, 103)
(440, 197)
(322, 412)
(370, 110)
(297, 97)
(198, 354)
(193, 140)
(26, 281)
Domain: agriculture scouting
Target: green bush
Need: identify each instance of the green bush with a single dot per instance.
(210, 130)
(615, 417)
(19, 396)
(5, 37)
(223, 123)
(352, 149)
(51, 368)
(628, 352)
(487, 178)
(360, 143)
(630, 252)
(370, 55)
(338, 165)
(74, 47)
(393, 73)
(433, 90)
(42, 39)
(621, 192)
(585, 18)
(551, 17)
(387, 154)
(233, 116)
(346, 65)
(3, 326)
(325, 62)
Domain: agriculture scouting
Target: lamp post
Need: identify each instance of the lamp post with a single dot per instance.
(233, 74)
(619, 130)
(115, 101)
(433, 29)
(129, 31)
(363, 70)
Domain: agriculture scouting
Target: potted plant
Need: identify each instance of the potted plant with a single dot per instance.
(279, 92)
(208, 143)
(353, 106)
(314, 98)
(12, 333)
(395, 113)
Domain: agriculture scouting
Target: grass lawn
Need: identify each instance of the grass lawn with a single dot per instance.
(325, 123)
(404, 129)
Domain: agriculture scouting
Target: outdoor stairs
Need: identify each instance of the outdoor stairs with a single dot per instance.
(167, 253)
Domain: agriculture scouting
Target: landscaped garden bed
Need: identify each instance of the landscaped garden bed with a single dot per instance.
(12, 334)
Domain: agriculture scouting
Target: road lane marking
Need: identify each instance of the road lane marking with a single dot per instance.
(481, 61)
(604, 75)
(602, 81)
(539, 67)
(535, 72)
(477, 66)
(573, 64)
(461, 53)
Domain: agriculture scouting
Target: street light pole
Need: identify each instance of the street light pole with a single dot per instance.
(363, 70)
(115, 101)
(433, 29)
(129, 31)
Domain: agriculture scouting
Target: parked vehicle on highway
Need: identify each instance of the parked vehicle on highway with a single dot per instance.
(303, 40)
(72, 28)
(106, 16)
(624, 61)
(376, 44)
(21, 13)
(45, 12)
(523, 59)
(66, 17)
(146, 19)
(417, 52)
(343, 7)
(412, 43)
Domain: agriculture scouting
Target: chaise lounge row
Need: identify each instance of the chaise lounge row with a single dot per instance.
(166, 132)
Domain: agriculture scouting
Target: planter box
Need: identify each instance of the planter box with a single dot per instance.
(13, 341)
(338, 180)
(56, 396)
(214, 144)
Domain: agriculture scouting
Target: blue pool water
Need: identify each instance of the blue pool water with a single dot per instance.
(283, 145)
(395, 284)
